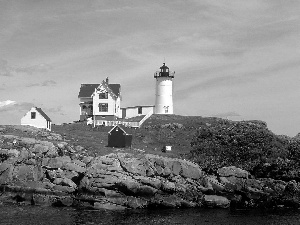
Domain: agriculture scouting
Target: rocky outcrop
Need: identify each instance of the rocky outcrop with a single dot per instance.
(142, 181)
(47, 172)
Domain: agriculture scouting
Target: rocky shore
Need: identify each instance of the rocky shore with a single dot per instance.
(41, 168)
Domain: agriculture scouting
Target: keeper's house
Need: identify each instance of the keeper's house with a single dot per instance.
(100, 101)
(37, 118)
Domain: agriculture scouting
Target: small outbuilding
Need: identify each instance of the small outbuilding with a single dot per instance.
(37, 118)
(118, 137)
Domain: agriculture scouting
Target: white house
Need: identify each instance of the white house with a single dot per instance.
(37, 118)
(133, 111)
(100, 101)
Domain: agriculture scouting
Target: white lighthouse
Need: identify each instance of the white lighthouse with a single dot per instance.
(164, 91)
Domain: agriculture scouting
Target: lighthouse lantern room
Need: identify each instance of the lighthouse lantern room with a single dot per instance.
(164, 91)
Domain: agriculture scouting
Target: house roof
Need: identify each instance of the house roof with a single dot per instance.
(119, 126)
(42, 113)
(132, 107)
(86, 90)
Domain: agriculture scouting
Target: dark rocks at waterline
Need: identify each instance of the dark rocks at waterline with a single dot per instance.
(40, 172)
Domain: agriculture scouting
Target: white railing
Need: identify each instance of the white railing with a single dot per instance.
(125, 123)
(146, 117)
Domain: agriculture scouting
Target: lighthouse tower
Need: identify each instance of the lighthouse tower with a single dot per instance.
(164, 91)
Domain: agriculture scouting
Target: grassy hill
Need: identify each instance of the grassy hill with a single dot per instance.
(212, 142)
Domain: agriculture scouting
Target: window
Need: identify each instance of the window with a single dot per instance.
(166, 109)
(103, 95)
(140, 110)
(103, 107)
(33, 115)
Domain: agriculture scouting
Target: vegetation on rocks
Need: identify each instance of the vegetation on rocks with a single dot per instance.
(248, 145)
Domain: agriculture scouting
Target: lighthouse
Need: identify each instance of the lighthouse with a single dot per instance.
(164, 91)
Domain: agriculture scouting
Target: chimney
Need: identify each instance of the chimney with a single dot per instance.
(107, 80)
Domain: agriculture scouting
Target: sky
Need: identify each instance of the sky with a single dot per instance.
(236, 59)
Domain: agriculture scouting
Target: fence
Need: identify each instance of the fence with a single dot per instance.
(125, 123)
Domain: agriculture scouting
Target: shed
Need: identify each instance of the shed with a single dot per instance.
(118, 137)
(36, 117)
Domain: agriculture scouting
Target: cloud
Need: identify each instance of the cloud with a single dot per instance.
(212, 83)
(46, 83)
(11, 114)
(6, 103)
(55, 110)
(40, 68)
(7, 70)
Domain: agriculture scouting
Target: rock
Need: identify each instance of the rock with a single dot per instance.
(65, 182)
(74, 167)
(136, 203)
(27, 173)
(13, 153)
(291, 195)
(30, 162)
(233, 171)
(6, 173)
(43, 200)
(191, 171)
(57, 162)
(167, 186)
(213, 201)
(66, 200)
(62, 145)
(108, 206)
(24, 154)
(79, 148)
(212, 182)
(65, 189)
(26, 142)
(69, 149)
(87, 159)
(134, 166)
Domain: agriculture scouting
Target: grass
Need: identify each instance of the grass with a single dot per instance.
(156, 132)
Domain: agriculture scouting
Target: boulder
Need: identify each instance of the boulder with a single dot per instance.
(13, 153)
(213, 201)
(72, 166)
(291, 194)
(27, 173)
(108, 206)
(6, 173)
(55, 163)
(233, 171)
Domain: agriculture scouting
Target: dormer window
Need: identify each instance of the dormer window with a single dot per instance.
(103, 95)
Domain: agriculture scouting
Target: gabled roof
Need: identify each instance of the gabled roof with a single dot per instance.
(143, 106)
(120, 127)
(42, 113)
(116, 88)
(86, 90)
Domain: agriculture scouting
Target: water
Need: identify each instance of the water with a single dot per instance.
(34, 215)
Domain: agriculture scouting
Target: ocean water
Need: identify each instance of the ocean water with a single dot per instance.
(13, 214)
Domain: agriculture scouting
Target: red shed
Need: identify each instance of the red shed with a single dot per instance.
(118, 137)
